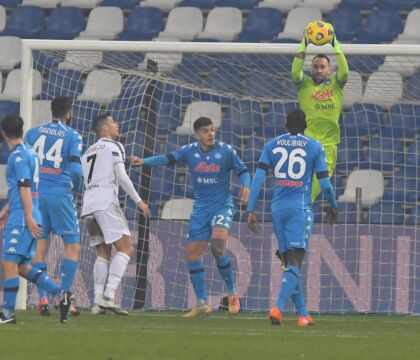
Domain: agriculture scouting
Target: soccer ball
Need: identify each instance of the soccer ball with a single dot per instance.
(319, 32)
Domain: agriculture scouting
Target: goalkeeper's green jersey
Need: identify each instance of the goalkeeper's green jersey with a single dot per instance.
(322, 105)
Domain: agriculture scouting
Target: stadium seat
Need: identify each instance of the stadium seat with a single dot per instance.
(240, 4)
(164, 5)
(371, 183)
(12, 88)
(101, 86)
(2, 18)
(41, 111)
(384, 153)
(323, 5)
(353, 89)
(143, 23)
(81, 60)
(196, 110)
(382, 25)
(242, 117)
(8, 107)
(349, 155)
(10, 3)
(25, 22)
(412, 154)
(401, 189)
(383, 88)
(399, 5)
(402, 121)
(414, 217)
(225, 79)
(183, 23)
(405, 65)
(282, 5)
(104, 23)
(347, 23)
(223, 23)
(123, 4)
(411, 30)
(359, 4)
(64, 23)
(412, 88)
(386, 213)
(262, 24)
(363, 120)
(347, 213)
(177, 209)
(45, 4)
(83, 4)
(162, 62)
(10, 55)
(364, 64)
(296, 21)
(273, 121)
(264, 86)
(62, 83)
(201, 4)
(3, 182)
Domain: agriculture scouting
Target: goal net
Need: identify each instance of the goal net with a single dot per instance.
(368, 262)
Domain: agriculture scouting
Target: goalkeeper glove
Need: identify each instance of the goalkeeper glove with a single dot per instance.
(303, 45)
(334, 42)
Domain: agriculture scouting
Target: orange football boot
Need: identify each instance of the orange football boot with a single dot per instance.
(275, 316)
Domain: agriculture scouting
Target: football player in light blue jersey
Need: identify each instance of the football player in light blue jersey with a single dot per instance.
(59, 149)
(210, 162)
(294, 159)
(22, 218)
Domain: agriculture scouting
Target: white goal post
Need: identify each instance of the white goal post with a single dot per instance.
(369, 262)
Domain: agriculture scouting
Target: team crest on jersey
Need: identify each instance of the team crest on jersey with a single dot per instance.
(218, 155)
(15, 232)
(13, 241)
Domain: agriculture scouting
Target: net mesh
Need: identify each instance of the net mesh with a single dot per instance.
(366, 263)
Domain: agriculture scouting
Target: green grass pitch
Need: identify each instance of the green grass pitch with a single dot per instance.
(166, 335)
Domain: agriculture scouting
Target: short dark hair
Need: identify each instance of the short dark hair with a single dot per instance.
(99, 121)
(12, 126)
(322, 56)
(296, 121)
(60, 106)
(201, 122)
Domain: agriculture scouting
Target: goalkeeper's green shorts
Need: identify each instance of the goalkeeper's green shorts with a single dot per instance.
(331, 160)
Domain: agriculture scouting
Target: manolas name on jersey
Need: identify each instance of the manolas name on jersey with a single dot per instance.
(56, 145)
(210, 172)
(322, 105)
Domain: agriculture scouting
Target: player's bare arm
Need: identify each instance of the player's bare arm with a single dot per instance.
(252, 222)
(4, 214)
(26, 195)
(144, 208)
(244, 194)
(135, 160)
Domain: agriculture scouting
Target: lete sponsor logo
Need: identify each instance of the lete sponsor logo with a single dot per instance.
(323, 95)
(202, 167)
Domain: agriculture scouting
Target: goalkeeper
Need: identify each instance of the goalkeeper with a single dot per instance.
(321, 97)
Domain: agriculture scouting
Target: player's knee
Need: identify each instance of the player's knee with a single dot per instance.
(217, 248)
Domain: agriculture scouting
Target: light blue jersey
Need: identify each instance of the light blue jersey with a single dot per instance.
(294, 159)
(22, 170)
(57, 146)
(210, 172)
